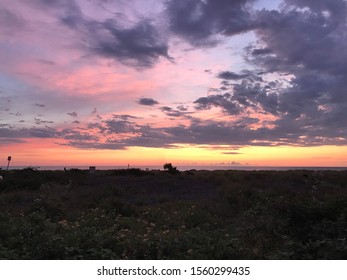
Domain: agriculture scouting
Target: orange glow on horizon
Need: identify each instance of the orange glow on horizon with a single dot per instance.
(46, 153)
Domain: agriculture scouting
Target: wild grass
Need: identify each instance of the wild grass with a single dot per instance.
(135, 214)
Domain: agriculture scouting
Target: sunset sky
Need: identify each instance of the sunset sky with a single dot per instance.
(192, 82)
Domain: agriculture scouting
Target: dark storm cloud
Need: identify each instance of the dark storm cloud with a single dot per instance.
(120, 126)
(261, 51)
(138, 45)
(198, 21)
(302, 46)
(147, 101)
(301, 119)
(312, 36)
(227, 75)
(335, 7)
(305, 41)
(315, 54)
(212, 133)
(221, 133)
(71, 134)
(96, 145)
(130, 134)
(225, 101)
(215, 133)
(46, 132)
(6, 132)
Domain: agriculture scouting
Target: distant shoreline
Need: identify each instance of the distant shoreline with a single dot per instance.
(185, 168)
(133, 214)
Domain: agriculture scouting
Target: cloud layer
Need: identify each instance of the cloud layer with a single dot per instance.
(288, 89)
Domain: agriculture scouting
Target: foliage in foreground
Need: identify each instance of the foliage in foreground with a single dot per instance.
(154, 215)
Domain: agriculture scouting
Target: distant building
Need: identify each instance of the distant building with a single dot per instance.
(92, 169)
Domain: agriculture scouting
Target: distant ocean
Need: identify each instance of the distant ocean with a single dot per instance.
(184, 168)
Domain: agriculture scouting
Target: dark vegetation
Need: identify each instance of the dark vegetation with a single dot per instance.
(170, 168)
(136, 214)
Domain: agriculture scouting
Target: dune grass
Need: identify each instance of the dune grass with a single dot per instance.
(135, 214)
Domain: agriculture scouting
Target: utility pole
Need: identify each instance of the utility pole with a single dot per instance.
(8, 159)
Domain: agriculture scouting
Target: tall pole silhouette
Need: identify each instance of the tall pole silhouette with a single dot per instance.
(8, 159)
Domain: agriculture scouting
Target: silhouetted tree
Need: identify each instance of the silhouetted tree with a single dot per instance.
(170, 168)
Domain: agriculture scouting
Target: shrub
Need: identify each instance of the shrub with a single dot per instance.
(171, 169)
